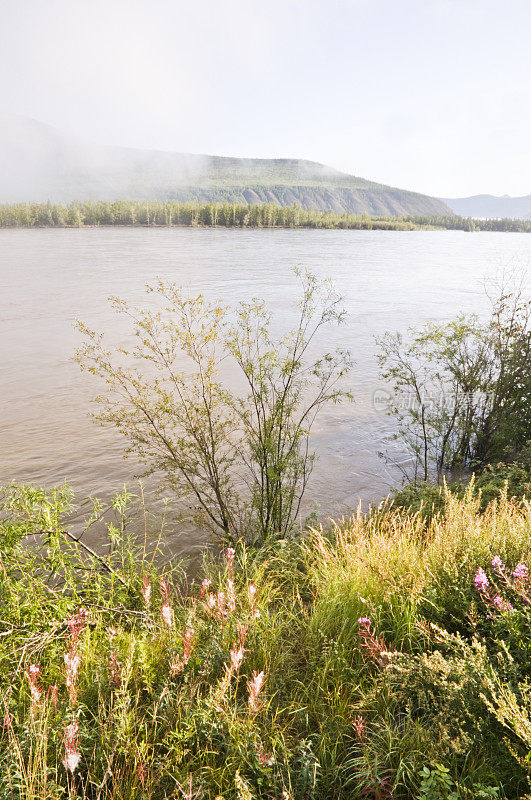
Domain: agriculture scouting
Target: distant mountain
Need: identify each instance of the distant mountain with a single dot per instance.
(486, 206)
(38, 163)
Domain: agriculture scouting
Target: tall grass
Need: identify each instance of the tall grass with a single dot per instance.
(367, 660)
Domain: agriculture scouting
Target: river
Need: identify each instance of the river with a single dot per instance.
(388, 280)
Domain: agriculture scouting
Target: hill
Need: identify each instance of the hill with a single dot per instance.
(490, 207)
(38, 163)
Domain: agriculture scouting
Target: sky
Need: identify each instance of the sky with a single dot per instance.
(428, 95)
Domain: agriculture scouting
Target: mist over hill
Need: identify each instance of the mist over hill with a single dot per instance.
(490, 207)
(38, 163)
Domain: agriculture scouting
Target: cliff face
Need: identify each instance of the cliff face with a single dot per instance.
(37, 164)
(383, 201)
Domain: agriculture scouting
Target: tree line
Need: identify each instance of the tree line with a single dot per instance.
(227, 215)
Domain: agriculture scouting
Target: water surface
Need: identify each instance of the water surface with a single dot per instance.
(389, 280)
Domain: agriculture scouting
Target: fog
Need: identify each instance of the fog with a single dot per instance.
(432, 97)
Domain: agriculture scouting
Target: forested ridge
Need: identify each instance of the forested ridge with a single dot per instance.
(228, 215)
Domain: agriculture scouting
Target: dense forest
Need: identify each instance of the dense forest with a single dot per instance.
(228, 215)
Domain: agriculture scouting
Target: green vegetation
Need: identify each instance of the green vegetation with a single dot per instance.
(229, 215)
(242, 455)
(388, 658)
(384, 659)
(461, 391)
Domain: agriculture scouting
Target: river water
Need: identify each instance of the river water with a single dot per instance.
(388, 280)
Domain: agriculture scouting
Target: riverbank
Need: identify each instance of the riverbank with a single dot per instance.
(385, 658)
(229, 215)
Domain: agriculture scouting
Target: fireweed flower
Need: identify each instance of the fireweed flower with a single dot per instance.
(231, 595)
(167, 615)
(76, 623)
(33, 672)
(364, 622)
(229, 555)
(498, 564)
(520, 572)
(204, 586)
(236, 657)
(72, 663)
(359, 726)
(255, 687)
(481, 581)
(146, 590)
(72, 754)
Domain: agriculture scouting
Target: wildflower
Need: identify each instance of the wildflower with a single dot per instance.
(204, 586)
(255, 687)
(76, 623)
(364, 622)
(72, 663)
(229, 555)
(146, 591)
(498, 602)
(72, 754)
(359, 726)
(231, 595)
(481, 581)
(188, 644)
(242, 633)
(498, 564)
(520, 572)
(251, 589)
(236, 657)
(167, 615)
(33, 673)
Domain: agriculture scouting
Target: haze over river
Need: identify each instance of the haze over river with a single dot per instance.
(388, 279)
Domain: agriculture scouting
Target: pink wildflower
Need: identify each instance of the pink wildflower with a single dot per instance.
(231, 595)
(204, 586)
(481, 581)
(146, 591)
(76, 623)
(498, 565)
(255, 687)
(229, 555)
(188, 644)
(520, 572)
(72, 663)
(373, 645)
(72, 754)
(359, 726)
(33, 672)
(167, 615)
(236, 657)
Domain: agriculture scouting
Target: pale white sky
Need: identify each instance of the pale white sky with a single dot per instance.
(429, 95)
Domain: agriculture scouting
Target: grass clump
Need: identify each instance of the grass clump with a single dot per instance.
(387, 658)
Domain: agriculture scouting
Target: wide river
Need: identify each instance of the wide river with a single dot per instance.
(389, 280)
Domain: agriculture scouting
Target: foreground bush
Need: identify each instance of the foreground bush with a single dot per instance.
(384, 659)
